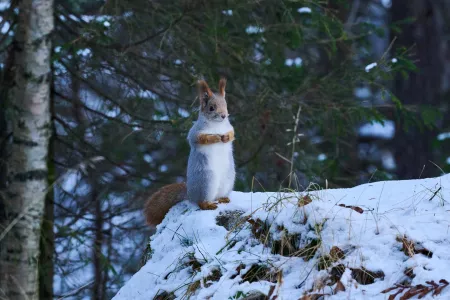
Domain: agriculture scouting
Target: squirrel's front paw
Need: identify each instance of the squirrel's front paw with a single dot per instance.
(225, 138)
(208, 139)
(207, 205)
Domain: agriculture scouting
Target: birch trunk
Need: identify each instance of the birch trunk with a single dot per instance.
(47, 246)
(23, 200)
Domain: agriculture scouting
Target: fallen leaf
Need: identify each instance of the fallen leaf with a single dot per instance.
(439, 289)
(355, 208)
(364, 276)
(337, 271)
(339, 287)
(389, 289)
(409, 272)
(419, 290)
(271, 290)
(336, 253)
(313, 296)
(305, 200)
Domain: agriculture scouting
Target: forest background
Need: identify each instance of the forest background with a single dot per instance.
(336, 93)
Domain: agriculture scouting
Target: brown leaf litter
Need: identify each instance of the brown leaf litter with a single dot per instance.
(419, 290)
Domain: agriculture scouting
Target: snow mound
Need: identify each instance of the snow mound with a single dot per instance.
(345, 243)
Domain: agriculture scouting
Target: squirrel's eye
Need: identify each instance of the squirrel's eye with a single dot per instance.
(211, 108)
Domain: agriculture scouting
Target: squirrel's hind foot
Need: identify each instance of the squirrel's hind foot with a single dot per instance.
(207, 205)
(223, 200)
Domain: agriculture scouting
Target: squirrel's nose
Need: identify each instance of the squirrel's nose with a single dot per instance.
(223, 116)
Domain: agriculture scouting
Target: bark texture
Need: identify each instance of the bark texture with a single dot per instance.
(414, 148)
(47, 247)
(24, 196)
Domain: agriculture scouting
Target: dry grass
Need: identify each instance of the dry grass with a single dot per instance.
(410, 248)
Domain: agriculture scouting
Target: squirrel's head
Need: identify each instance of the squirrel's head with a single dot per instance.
(213, 105)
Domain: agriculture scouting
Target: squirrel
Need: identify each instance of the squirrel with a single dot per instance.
(211, 170)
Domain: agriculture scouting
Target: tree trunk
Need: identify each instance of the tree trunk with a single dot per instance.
(413, 148)
(24, 197)
(7, 80)
(47, 246)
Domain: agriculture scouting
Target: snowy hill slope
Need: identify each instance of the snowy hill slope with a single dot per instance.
(344, 243)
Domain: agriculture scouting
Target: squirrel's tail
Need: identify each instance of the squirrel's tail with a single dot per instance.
(159, 204)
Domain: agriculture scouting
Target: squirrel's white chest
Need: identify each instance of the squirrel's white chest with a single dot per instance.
(218, 156)
(219, 164)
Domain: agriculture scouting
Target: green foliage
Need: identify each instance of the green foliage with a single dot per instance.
(238, 295)
(430, 116)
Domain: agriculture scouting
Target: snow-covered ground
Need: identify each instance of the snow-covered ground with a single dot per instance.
(396, 231)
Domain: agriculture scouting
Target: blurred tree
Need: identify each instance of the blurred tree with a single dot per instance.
(420, 26)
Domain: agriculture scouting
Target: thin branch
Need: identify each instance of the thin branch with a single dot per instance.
(294, 141)
(85, 107)
(77, 290)
(104, 95)
(253, 156)
(125, 47)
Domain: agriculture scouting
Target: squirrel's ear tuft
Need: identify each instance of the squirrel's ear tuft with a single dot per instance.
(222, 85)
(204, 92)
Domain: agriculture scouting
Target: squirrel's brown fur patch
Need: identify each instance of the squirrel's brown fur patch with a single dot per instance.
(162, 201)
(208, 139)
